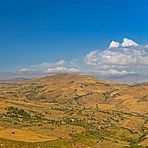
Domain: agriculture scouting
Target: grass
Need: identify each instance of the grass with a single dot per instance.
(88, 137)
(59, 143)
(20, 115)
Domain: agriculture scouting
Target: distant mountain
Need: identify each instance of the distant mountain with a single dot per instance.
(129, 78)
(14, 79)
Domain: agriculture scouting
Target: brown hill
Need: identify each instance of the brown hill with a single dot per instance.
(79, 90)
(69, 110)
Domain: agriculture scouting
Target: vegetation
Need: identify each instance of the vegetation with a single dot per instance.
(22, 115)
(73, 112)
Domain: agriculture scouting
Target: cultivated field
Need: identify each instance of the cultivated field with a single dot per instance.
(73, 111)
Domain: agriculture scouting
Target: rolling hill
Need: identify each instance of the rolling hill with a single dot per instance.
(69, 110)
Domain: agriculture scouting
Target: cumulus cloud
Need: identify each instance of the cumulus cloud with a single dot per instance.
(114, 44)
(46, 68)
(119, 56)
(123, 58)
(61, 69)
(114, 72)
(128, 42)
(119, 59)
(126, 53)
(23, 70)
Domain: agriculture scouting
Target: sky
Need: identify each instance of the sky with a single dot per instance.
(42, 32)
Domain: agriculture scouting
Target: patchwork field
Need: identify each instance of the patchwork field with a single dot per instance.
(73, 111)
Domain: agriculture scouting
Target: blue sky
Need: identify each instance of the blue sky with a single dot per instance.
(37, 31)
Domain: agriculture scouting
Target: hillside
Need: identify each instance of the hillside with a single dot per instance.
(69, 110)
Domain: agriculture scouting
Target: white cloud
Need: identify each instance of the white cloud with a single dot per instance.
(116, 72)
(92, 58)
(23, 70)
(114, 44)
(127, 42)
(130, 53)
(120, 59)
(61, 69)
(45, 68)
(46, 64)
(123, 58)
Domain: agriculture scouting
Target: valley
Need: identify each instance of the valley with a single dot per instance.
(73, 111)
